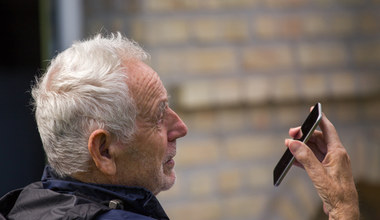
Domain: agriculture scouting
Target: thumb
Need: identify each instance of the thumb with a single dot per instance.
(305, 156)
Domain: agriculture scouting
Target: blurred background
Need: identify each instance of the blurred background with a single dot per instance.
(240, 73)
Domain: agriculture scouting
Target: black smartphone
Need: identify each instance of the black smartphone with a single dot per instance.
(307, 129)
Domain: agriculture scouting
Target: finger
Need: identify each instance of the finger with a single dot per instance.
(295, 162)
(317, 151)
(295, 132)
(317, 138)
(329, 131)
(317, 144)
(298, 164)
(306, 157)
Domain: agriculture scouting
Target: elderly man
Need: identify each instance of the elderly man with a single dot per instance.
(110, 139)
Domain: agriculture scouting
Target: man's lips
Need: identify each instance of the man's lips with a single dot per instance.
(171, 151)
(170, 161)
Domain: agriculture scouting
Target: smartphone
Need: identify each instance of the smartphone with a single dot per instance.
(307, 130)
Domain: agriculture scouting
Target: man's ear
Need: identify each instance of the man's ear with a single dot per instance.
(99, 144)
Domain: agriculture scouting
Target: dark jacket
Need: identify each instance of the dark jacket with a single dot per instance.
(55, 198)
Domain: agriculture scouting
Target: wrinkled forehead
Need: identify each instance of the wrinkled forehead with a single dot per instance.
(144, 83)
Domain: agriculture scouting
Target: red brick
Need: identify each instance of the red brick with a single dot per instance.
(243, 206)
(211, 210)
(315, 25)
(278, 27)
(250, 147)
(367, 53)
(342, 85)
(208, 94)
(284, 4)
(286, 209)
(211, 30)
(197, 152)
(230, 120)
(256, 90)
(229, 181)
(191, 5)
(322, 55)
(371, 110)
(346, 112)
(170, 5)
(196, 61)
(267, 58)
(314, 86)
(161, 31)
(284, 88)
(368, 24)
(201, 185)
(343, 24)
(290, 116)
(261, 118)
(258, 177)
(200, 121)
(211, 60)
(226, 4)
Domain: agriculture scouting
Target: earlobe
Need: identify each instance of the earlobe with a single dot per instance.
(99, 146)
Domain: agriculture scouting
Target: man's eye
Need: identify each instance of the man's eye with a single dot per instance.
(160, 121)
(160, 117)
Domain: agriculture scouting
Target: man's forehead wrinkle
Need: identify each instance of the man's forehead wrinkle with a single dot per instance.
(145, 86)
(149, 91)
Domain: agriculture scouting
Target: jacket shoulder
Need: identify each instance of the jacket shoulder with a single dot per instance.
(7, 202)
(35, 202)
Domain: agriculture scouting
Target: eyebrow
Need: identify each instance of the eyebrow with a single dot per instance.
(163, 105)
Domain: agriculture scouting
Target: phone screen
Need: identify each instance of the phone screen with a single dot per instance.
(307, 129)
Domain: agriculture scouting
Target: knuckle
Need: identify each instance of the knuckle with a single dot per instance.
(342, 154)
(303, 156)
(341, 157)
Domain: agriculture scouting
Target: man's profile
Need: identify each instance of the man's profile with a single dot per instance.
(110, 139)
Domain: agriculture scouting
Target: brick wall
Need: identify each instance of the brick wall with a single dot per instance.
(240, 73)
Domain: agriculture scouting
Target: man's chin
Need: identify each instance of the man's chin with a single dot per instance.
(169, 180)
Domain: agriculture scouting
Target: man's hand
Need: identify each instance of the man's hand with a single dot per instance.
(328, 166)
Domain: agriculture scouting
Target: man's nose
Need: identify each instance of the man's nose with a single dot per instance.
(178, 128)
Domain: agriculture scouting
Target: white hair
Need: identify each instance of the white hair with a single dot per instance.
(84, 89)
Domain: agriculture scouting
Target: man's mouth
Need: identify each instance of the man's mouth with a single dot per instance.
(170, 161)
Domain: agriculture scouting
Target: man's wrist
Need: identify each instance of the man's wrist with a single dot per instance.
(346, 213)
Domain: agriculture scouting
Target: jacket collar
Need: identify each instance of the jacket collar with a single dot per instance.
(135, 199)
